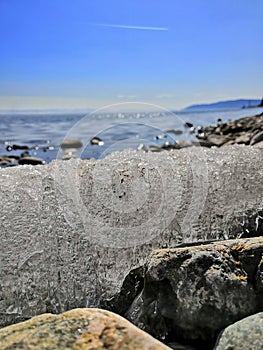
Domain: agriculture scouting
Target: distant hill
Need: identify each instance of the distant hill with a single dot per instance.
(242, 103)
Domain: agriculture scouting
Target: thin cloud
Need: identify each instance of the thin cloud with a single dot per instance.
(126, 96)
(124, 26)
(166, 96)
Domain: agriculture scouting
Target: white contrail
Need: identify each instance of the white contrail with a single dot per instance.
(124, 26)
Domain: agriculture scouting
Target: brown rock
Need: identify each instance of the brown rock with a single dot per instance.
(79, 329)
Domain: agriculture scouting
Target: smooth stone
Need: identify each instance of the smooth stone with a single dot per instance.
(30, 161)
(193, 292)
(246, 334)
(71, 144)
(78, 329)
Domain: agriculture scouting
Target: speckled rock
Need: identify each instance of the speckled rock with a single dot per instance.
(79, 329)
(246, 334)
(194, 292)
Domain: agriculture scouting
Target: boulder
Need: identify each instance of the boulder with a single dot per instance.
(243, 335)
(192, 292)
(77, 329)
(71, 231)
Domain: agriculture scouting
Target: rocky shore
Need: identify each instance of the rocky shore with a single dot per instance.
(172, 242)
(247, 131)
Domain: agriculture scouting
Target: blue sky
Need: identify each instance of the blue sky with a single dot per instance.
(83, 53)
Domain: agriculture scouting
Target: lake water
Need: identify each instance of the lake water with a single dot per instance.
(118, 130)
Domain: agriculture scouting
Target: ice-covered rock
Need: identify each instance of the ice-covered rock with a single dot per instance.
(71, 231)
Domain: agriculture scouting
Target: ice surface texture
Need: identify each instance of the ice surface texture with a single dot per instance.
(72, 230)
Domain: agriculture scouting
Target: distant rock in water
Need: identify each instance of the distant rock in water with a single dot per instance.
(71, 144)
(96, 141)
(10, 148)
(31, 161)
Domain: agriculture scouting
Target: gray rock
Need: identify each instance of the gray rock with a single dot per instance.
(217, 140)
(246, 334)
(257, 138)
(193, 292)
(72, 231)
(259, 144)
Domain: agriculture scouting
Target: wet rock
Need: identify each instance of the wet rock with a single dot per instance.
(188, 125)
(96, 141)
(16, 147)
(79, 329)
(8, 160)
(11, 157)
(31, 161)
(245, 334)
(191, 293)
(71, 144)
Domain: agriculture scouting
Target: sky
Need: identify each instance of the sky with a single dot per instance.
(88, 54)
